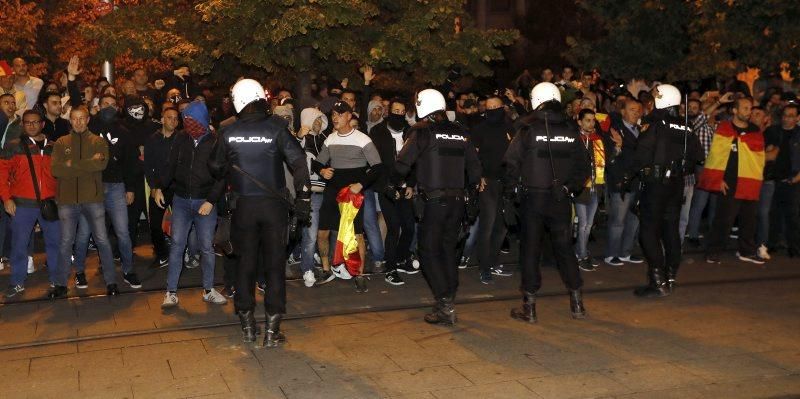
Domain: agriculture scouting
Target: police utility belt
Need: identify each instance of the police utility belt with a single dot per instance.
(428, 195)
(662, 173)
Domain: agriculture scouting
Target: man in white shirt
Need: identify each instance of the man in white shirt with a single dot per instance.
(30, 85)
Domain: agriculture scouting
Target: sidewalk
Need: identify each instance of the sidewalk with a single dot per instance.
(732, 340)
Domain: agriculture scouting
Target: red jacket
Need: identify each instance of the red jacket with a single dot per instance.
(15, 174)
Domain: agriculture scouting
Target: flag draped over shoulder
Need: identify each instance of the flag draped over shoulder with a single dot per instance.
(346, 245)
(750, 170)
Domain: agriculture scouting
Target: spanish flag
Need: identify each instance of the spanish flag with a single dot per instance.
(749, 171)
(346, 245)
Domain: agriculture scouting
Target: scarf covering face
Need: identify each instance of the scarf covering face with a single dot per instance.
(196, 120)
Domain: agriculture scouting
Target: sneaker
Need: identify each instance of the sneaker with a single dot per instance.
(192, 261)
(14, 290)
(585, 264)
(92, 246)
(80, 281)
(713, 259)
(229, 291)
(631, 259)
(393, 278)
(486, 278)
(415, 262)
(132, 280)
(317, 260)
(379, 267)
(341, 272)
(213, 296)
(594, 262)
(111, 290)
(613, 261)
(57, 292)
(464, 262)
(291, 260)
(325, 277)
(160, 262)
(361, 284)
(170, 300)
(406, 267)
(763, 252)
(31, 267)
(505, 248)
(500, 271)
(751, 258)
(261, 288)
(309, 279)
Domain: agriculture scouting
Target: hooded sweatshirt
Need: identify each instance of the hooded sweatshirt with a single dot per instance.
(140, 128)
(370, 107)
(312, 143)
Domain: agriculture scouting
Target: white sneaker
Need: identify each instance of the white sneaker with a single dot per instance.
(341, 272)
(31, 268)
(308, 279)
(170, 300)
(763, 253)
(215, 297)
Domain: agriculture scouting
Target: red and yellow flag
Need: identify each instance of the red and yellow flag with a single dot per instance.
(346, 245)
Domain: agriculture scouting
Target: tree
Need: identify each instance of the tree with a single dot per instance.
(302, 38)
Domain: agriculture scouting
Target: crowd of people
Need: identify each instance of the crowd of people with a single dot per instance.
(85, 162)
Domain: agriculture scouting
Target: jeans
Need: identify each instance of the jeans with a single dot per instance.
(70, 215)
(21, 227)
(764, 205)
(700, 199)
(622, 224)
(371, 228)
(184, 215)
(117, 211)
(585, 213)
(472, 239)
(309, 241)
(492, 227)
(688, 193)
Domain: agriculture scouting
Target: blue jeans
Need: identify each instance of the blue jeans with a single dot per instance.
(371, 228)
(472, 239)
(700, 199)
(309, 241)
(117, 211)
(585, 213)
(622, 224)
(184, 215)
(21, 227)
(95, 214)
(688, 193)
(764, 205)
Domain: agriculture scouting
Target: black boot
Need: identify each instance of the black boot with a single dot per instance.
(528, 310)
(273, 336)
(671, 276)
(656, 287)
(576, 304)
(443, 312)
(248, 325)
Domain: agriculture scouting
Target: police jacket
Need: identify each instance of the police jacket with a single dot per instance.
(662, 145)
(442, 154)
(187, 173)
(121, 150)
(259, 144)
(528, 157)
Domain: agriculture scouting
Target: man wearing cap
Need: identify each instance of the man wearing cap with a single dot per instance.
(348, 158)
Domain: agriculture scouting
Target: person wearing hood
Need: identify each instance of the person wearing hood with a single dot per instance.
(374, 115)
(398, 211)
(140, 127)
(118, 186)
(196, 193)
(491, 137)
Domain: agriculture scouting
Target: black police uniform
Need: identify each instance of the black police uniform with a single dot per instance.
(667, 151)
(547, 143)
(441, 154)
(260, 144)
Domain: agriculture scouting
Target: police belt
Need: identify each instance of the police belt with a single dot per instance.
(661, 172)
(536, 190)
(441, 193)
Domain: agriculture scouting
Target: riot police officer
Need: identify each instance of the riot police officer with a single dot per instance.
(667, 151)
(546, 164)
(251, 153)
(441, 152)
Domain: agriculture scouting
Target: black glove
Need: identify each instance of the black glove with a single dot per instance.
(302, 211)
(392, 192)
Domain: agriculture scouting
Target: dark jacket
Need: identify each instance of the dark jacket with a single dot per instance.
(621, 163)
(121, 150)
(156, 157)
(82, 181)
(57, 129)
(491, 140)
(140, 130)
(187, 172)
(385, 144)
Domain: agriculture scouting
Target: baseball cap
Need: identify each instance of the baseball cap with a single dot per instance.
(341, 107)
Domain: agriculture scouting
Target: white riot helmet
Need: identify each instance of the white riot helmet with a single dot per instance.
(428, 102)
(667, 96)
(246, 91)
(544, 92)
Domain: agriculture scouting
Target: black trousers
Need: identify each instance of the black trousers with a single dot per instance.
(135, 211)
(156, 219)
(400, 223)
(259, 228)
(540, 215)
(786, 203)
(438, 237)
(491, 226)
(659, 217)
(728, 209)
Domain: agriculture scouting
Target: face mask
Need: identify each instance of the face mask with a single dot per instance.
(107, 114)
(136, 111)
(396, 122)
(495, 116)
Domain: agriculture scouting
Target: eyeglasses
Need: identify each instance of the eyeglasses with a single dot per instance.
(29, 123)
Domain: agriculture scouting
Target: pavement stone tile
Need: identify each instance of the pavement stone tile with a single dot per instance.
(728, 368)
(344, 388)
(171, 350)
(157, 370)
(251, 385)
(420, 395)
(425, 380)
(118, 342)
(38, 351)
(15, 370)
(212, 364)
(787, 360)
(500, 390)
(284, 368)
(354, 364)
(653, 377)
(679, 393)
(174, 336)
(411, 359)
(181, 387)
(511, 368)
(581, 385)
(42, 367)
(743, 389)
